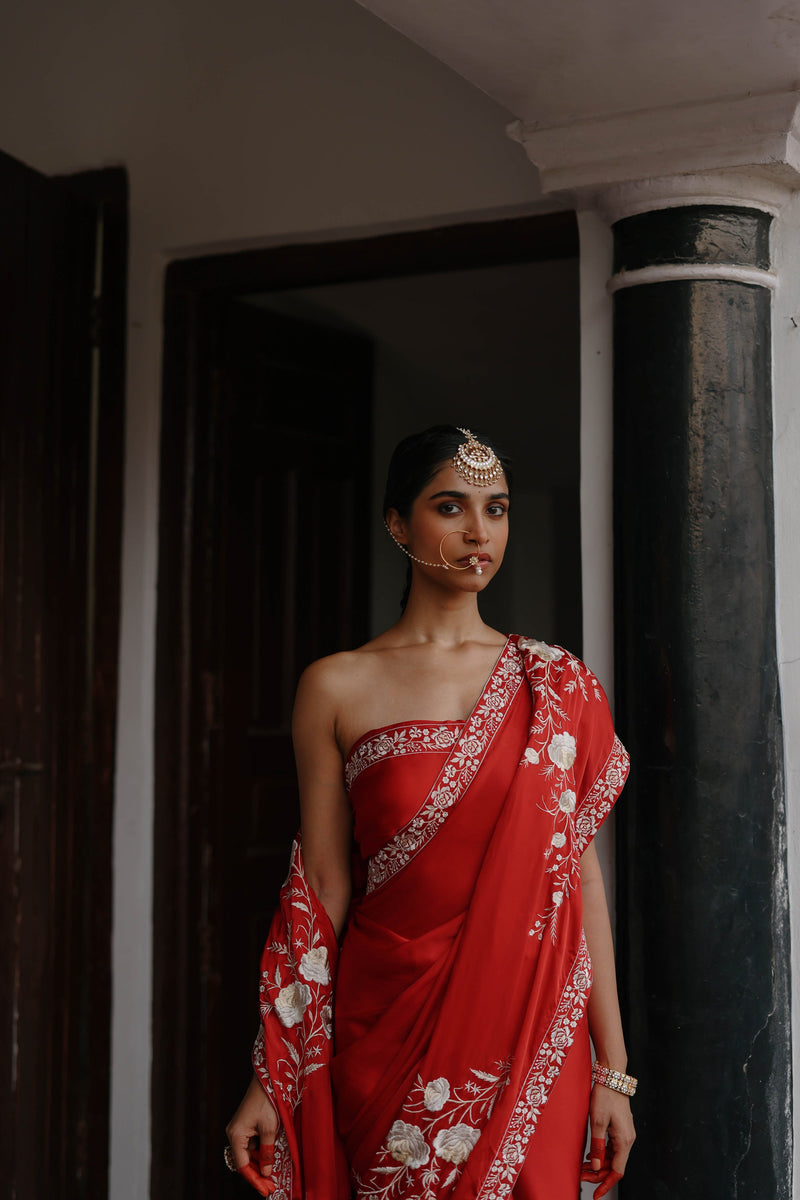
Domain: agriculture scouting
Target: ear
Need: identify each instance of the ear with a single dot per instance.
(396, 525)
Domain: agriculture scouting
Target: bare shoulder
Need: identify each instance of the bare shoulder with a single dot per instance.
(327, 685)
(331, 677)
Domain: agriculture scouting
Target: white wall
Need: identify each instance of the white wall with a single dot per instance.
(597, 533)
(253, 123)
(786, 347)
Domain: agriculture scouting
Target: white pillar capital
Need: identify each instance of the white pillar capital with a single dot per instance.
(742, 189)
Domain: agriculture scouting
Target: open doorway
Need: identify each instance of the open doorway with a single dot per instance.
(289, 375)
(495, 349)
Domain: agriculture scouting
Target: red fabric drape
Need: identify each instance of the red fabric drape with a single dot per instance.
(463, 978)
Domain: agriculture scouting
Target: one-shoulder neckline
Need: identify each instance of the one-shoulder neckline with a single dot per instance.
(394, 725)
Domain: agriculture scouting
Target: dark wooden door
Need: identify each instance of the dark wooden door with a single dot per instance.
(279, 544)
(60, 507)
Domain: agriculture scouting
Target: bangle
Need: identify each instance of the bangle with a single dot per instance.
(618, 1081)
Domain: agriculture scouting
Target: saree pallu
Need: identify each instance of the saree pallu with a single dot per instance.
(461, 1064)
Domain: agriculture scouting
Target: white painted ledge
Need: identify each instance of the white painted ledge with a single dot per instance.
(667, 272)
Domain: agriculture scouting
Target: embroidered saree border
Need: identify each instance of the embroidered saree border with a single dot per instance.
(406, 737)
(539, 1081)
(296, 996)
(461, 767)
(602, 795)
(297, 988)
(561, 684)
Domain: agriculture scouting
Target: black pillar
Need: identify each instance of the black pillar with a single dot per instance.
(704, 918)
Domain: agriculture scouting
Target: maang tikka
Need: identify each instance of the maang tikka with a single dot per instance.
(476, 463)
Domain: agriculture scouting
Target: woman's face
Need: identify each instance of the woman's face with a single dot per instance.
(447, 506)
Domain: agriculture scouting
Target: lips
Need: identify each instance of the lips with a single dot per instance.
(482, 558)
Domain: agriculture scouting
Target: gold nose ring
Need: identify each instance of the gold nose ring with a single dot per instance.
(474, 560)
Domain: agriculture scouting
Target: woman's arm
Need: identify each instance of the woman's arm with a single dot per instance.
(326, 821)
(610, 1112)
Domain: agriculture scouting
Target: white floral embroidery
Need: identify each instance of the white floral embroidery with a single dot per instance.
(437, 1093)
(454, 1144)
(555, 676)
(562, 750)
(583, 827)
(582, 977)
(425, 1149)
(406, 1144)
(314, 965)
(458, 772)
(303, 1010)
(291, 1002)
(566, 801)
(541, 649)
(404, 738)
(502, 1175)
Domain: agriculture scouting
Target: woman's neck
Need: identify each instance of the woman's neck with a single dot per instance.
(448, 620)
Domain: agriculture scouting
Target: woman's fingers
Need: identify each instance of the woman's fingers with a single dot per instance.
(592, 1174)
(622, 1137)
(266, 1157)
(251, 1135)
(611, 1178)
(605, 1162)
(610, 1118)
(262, 1153)
(264, 1187)
(239, 1142)
(597, 1151)
(600, 1118)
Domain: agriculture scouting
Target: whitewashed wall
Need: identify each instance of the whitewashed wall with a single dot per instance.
(597, 536)
(786, 374)
(246, 125)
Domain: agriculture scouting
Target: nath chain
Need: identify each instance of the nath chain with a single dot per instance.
(474, 560)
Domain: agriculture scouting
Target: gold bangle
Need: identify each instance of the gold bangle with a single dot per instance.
(618, 1081)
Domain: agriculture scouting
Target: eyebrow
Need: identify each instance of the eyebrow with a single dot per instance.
(463, 495)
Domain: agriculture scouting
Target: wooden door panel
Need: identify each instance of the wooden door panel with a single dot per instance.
(55, 811)
(280, 421)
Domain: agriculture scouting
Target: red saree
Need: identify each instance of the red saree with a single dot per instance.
(461, 1065)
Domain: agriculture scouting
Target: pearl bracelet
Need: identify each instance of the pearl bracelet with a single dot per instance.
(618, 1081)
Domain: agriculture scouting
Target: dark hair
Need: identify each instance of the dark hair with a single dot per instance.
(414, 463)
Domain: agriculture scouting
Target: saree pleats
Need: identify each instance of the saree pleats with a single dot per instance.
(463, 978)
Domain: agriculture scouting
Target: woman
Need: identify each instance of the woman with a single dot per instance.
(474, 770)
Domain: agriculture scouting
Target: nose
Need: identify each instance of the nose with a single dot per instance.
(478, 531)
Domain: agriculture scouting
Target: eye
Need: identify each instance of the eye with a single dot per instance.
(497, 510)
(449, 508)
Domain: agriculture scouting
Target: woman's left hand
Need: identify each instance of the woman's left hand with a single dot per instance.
(612, 1135)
